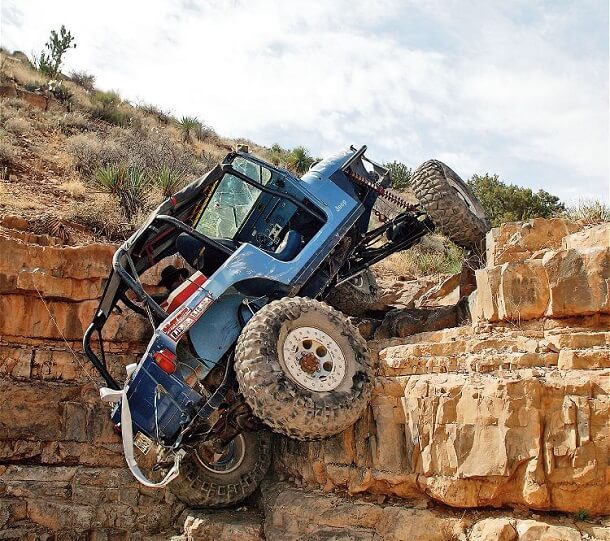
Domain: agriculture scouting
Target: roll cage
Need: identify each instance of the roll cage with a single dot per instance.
(154, 240)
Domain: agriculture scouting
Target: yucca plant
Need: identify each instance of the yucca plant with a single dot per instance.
(300, 159)
(168, 181)
(128, 184)
(188, 126)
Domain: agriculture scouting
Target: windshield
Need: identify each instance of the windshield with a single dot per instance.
(232, 201)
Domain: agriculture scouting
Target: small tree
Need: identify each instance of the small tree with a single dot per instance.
(509, 203)
(400, 174)
(50, 60)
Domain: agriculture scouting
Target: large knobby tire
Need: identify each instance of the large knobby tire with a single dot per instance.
(357, 296)
(450, 203)
(303, 368)
(203, 483)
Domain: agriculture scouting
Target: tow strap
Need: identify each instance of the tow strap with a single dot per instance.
(120, 395)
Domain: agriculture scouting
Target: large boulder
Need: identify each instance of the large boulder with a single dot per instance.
(517, 241)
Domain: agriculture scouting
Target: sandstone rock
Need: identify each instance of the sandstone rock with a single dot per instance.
(597, 236)
(493, 529)
(523, 292)
(14, 222)
(36, 100)
(547, 431)
(589, 358)
(579, 282)
(232, 525)
(531, 530)
(449, 291)
(518, 241)
(401, 293)
(292, 515)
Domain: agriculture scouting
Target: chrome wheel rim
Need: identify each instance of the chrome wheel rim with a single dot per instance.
(226, 461)
(313, 359)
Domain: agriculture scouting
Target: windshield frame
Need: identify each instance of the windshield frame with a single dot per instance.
(215, 195)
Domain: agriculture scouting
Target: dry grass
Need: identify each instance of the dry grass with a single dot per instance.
(73, 122)
(435, 255)
(18, 125)
(74, 188)
(588, 211)
(101, 214)
(20, 72)
(8, 152)
(90, 152)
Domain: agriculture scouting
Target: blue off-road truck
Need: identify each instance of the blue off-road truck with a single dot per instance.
(252, 333)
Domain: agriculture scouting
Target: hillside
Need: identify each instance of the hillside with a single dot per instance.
(57, 138)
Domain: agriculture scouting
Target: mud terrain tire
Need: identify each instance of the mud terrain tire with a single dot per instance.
(357, 296)
(450, 203)
(200, 486)
(290, 394)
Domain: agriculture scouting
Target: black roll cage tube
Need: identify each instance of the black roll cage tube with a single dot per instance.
(134, 284)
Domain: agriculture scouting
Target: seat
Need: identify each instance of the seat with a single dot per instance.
(289, 247)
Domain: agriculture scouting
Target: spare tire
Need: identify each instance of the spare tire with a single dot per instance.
(450, 203)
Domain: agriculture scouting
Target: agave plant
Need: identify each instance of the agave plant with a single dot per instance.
(128, 184)
(168, 181)
(189, 126)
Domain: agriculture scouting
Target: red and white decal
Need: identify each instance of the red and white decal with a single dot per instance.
(186, 318)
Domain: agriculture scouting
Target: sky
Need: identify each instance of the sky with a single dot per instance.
(513, 87)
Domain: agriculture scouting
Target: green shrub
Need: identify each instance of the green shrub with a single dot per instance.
(60, 92)
(33, 86)
(83, 79)
(107, 106)
(582, 515)
(400, 175)
(50, 60)
(509, 203)
(300, 160)
(168, 181)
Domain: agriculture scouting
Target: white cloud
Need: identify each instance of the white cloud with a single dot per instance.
(499, 87)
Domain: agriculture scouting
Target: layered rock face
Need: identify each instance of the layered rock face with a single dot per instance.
(513, 410)
(62, 471)
(292, 514)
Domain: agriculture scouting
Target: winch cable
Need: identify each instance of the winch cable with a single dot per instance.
(54, 321)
